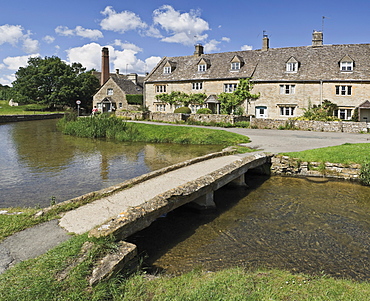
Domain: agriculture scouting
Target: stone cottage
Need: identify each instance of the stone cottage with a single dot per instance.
(289, 80)
(115, 87)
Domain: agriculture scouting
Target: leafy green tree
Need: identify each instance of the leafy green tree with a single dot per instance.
(52, 82)
(323, 112)
(5, 92)
(231, 102)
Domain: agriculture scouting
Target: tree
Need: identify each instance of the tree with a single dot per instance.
(52, 82)
(232, 101)
(5, 92)
(323, 112)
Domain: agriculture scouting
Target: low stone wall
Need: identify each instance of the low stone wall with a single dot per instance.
(216, 118)
(318, 126)
(284, 165)
(16, 118)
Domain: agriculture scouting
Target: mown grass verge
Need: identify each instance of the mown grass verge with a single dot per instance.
(41, 279)
(347, 153)
(103, 126)
(30, 109)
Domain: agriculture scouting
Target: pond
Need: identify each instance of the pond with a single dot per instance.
(314, 226)
(39, 164)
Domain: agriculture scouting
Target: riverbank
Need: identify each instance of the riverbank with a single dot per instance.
(29, 117)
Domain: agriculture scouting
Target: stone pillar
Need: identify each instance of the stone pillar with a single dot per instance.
(239, 181)
(206, 201)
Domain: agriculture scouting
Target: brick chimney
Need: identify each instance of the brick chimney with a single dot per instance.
(104, 66)
(317, 38)
(199, 50)
(265, 42)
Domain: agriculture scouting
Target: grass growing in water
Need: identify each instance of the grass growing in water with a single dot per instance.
(115, 128)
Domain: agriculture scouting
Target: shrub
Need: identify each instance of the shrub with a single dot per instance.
(204, 111)
(134, 99)
(365, 174)
(184, 110)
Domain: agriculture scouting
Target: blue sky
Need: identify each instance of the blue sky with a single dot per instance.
(139, 33)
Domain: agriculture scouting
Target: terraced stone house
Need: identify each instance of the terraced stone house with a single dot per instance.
(289, 80)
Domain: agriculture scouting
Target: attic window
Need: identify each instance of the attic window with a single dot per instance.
(109, 91)
(236, 63)
(235, 66)
(202, 68)
(291, 65)
(346, 66)
(167, 70)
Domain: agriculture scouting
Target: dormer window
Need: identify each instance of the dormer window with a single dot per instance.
(202, 68)
(235, 66)
(291, 65)
(236, 63)
(346, 64)
(167, 70)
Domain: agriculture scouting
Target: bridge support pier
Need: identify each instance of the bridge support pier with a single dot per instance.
(239, 181)
(205, 201)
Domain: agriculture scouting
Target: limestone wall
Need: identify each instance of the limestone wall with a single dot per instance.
(318, 126)
(284, 165)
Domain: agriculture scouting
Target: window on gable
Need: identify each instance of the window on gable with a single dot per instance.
(230, 88)
(167, 70)
(343, 90)
(292, 67)
(346, 66)
(235, 66)
(109, 91)
(202, 68)
(197, 86)
(287, 89)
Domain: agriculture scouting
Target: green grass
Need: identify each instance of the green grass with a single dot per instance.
(39, 279)
(118, 129)
(346, 154)
(30, 109)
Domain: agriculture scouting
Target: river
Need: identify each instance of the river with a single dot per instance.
(39, 165)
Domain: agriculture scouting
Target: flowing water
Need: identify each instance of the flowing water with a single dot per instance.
(39, 164)
(302, 225)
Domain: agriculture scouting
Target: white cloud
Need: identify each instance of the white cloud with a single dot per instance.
(48, 39)
(246, 47)
(211, 46)
(92, 34)
(7, 79)
(30, 46)
(121, 22)
(153, 32)
(225, 39)
(184, 28)
(88, 55)
(127, 45)
(15, 62)
(10, 34)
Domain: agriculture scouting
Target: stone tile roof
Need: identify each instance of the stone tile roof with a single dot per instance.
(315, 63)
(127, 85)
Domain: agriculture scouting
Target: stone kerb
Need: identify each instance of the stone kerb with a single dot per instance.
(140, 217)
(16, 118)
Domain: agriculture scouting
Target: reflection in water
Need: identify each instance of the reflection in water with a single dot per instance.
(287, 223)
(37, 162)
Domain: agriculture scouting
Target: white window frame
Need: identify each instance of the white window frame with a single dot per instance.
(343, 90)
(235, 66)
(292, 67)
(160, 89)
(197, 85)
(109, 91)
(343, 114)
(166, 70)
(287, 111)
(160, 107)
(287, 89)
(202, 68)
(346, 66)
(230, 88)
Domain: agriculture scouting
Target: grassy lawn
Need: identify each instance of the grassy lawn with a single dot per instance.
(30, 109)
(40, 279)
(347, 153)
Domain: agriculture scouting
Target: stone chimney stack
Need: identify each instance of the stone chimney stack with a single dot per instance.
(317, 38)
(132, 77)
(265, 42)
(199, 50)
(104, 66)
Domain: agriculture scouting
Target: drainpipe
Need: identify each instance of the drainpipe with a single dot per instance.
(321, 92)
